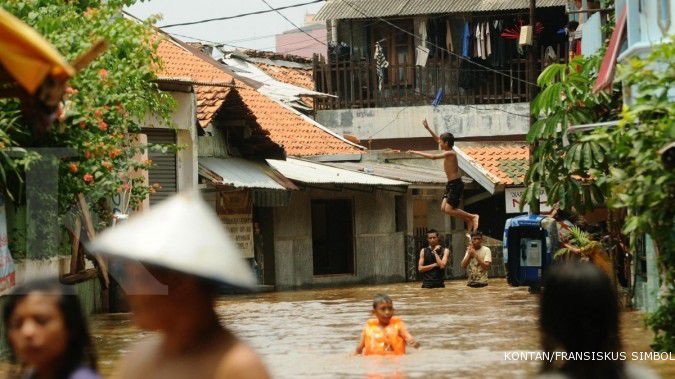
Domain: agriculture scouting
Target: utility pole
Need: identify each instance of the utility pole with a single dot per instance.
(534, 90)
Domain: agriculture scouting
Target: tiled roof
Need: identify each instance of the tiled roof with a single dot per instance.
(299, 135)
(179, 62)
(300, 77)
(506, 161)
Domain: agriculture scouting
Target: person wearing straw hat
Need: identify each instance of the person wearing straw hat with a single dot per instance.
(176, 256)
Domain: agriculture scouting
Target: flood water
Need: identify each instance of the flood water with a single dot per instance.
(464, 332)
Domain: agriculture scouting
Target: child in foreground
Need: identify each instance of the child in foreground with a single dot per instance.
(385, 334)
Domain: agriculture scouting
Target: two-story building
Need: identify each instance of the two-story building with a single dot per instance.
(305, 223)
(396, 58)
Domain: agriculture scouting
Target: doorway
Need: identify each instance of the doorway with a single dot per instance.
(332, 237)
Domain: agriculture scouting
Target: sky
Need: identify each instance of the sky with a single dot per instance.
(254, 32)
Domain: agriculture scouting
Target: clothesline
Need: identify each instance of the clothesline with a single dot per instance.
(442, 48)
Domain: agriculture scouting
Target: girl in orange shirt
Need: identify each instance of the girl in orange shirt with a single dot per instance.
(385, 334)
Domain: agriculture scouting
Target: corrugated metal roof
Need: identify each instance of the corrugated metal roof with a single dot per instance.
(347, 9)
(415, 175)
(337, 9)
(239, 173)
(315, 173)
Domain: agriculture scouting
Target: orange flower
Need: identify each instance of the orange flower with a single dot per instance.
(102, 126)
(107, 165)
(87, 154)
(73, 167)
(82, 124)
(88, 178)
(98, 113)
(103, 73)
(115, 153)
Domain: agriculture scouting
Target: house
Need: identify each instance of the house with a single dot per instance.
(303, 42)
(493, 174)
(432, 55)
(307, 224)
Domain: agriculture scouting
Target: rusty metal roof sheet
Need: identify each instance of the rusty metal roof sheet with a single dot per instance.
(348, 9)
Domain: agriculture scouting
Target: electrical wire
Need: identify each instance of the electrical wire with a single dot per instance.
(241, 15)
(292, 23)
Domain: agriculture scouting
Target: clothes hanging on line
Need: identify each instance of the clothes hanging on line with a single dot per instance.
(466, 40)
(380, 64)
(488, 43)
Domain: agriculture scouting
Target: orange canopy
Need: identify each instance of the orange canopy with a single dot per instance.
(26, 56)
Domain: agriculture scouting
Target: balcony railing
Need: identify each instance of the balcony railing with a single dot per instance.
(355, 83)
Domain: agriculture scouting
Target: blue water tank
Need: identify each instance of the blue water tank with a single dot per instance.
(528, 247)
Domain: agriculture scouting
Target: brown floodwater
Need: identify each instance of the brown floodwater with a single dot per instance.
(464, 332)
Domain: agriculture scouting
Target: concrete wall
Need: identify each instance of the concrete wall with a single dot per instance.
(183, 120)
(378, 248)
(462, 121)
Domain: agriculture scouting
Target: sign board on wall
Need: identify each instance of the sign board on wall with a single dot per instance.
(513, 196)
(235, 211)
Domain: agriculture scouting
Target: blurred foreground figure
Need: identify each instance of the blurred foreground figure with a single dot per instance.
(47, 333)
(185, 256)
(579, 316)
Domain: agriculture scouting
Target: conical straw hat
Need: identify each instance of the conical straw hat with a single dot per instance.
(183, 234)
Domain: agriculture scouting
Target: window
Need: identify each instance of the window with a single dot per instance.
(332, 237)
(163, 172)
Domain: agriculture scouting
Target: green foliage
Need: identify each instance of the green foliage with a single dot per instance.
(638, 180)
(618, 166)
(566, 165)
(105, 103)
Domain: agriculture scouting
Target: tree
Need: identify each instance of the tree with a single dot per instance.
(105, 103)
(638, 181)
(615, 166)
(566, 165)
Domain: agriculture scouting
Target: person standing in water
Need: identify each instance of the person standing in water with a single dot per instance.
(455, 187)
(47, 332)
(432, 262)
(385, 334)
(172, 291)
(477, 261)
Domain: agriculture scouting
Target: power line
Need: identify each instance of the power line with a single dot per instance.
(292, 23)
(429, 98)
(221, 44)
(442, 48)
(242, 14)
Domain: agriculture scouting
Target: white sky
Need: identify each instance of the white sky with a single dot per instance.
(240, 31)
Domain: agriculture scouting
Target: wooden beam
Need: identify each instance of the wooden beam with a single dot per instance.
(79, 277)
(91, 233)
(75, 245)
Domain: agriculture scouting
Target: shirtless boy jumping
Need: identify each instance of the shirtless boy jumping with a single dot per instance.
(455, 187)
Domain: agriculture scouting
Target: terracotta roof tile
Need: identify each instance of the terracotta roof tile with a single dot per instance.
(296, 76)
(506, 161)
(298, 136)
